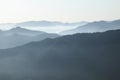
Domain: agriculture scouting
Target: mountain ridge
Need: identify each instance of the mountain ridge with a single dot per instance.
(19, 36)
(97, 26)
(93, 56)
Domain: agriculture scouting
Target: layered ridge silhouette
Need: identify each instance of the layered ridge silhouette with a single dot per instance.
(86, 56)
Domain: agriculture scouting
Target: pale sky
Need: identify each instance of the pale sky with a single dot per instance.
(58, 10)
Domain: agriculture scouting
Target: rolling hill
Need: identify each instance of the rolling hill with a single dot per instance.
(19, 36)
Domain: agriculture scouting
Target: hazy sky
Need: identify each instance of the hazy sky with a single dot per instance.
(58, 10)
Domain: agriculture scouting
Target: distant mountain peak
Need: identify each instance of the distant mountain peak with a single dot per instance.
(18, 28)
(24, 31)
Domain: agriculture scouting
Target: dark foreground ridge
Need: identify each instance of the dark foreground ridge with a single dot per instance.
(93, 56)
